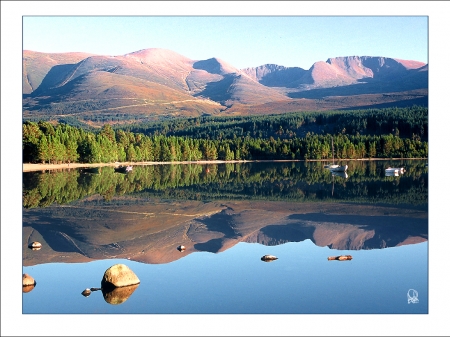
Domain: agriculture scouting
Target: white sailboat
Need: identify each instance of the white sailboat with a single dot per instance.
(394, 171)
(334, 167)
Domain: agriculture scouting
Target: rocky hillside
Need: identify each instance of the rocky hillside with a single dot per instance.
(154, 83)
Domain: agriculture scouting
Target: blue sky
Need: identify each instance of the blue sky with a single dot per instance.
(242, 41)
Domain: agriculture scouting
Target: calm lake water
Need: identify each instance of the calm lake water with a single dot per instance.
(228, 216)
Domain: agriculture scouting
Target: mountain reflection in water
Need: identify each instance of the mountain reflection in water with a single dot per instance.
(145, 215)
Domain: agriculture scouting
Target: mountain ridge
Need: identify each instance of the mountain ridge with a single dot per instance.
(213, 227)
(52, 80)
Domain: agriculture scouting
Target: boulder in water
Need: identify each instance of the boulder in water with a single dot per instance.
(27, 280)
(119, 275)
(268, 258)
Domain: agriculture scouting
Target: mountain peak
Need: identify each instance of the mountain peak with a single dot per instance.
(157, 55)
(163, 82)
(215, 66)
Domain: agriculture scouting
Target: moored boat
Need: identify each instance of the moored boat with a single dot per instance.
(339, 168)
(395, 170)
(335, 167)
(123, 169)
(391, 170)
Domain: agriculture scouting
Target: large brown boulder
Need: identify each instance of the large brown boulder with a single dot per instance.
(119, 275)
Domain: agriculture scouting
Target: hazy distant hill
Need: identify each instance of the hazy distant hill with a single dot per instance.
(154, 83)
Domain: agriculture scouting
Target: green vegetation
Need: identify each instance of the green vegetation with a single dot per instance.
(385, 133)
(289, 181)
(403, 122)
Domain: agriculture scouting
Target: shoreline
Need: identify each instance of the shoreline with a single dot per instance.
(28, 167)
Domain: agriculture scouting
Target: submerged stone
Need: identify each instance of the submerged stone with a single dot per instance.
(268, 258)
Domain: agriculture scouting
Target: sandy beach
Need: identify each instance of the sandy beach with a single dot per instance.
(27, 167)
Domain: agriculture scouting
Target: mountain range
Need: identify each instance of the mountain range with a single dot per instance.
(151, 230)
(162, 83)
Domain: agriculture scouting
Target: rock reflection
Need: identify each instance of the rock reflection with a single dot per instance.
(112, 295)
(27, 289)
(118, 295)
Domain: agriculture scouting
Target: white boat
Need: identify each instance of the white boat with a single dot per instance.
(123, 169)
(339, 168)
(395, 170)
(391, 173)
(334, 167)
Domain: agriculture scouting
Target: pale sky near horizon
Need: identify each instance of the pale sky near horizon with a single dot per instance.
(242, 41)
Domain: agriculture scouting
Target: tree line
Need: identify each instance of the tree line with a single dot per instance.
(406, 122)
(301, 181)
(44, 142)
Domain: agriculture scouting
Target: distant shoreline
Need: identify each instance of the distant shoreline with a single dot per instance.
(27, 167)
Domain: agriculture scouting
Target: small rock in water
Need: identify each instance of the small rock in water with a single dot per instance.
(181, 248)
(340, 258)
(35, 245)
(268, 258)
(86, 292)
